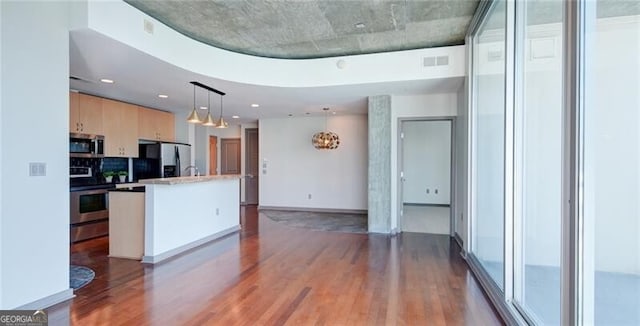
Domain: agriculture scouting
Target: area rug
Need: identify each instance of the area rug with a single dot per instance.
(338, 222)
(80, 276)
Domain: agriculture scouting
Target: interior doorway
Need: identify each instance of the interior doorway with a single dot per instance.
(213, 155)
(426, 176)
(251, 166)
(230, 156)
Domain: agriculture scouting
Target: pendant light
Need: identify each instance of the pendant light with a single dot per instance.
(325, 139)
(209, 120)
(193, 117)
(221, 123)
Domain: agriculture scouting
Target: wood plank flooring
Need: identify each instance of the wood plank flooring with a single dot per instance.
(271, 274)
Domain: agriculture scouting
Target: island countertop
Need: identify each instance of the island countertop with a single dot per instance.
(183, 180)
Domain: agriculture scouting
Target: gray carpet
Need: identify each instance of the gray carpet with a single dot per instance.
(339, 222)
(80, 276)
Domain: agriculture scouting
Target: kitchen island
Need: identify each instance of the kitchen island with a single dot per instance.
(185, 212)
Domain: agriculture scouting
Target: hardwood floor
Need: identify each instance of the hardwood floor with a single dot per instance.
(271, 274)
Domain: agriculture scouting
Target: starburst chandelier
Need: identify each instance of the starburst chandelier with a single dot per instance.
(325, 139)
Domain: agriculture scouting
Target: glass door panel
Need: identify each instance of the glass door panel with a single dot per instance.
(611, 163)
(538, 160)
(488, 142)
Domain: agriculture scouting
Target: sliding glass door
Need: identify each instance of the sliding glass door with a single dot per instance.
(538, 159)
(488, 120)
(555, 160)
(611, 163)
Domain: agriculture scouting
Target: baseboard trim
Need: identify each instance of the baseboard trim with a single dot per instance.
(315, 210)
(458, 239)
(48, 301)
(174, 252)
(493, 292)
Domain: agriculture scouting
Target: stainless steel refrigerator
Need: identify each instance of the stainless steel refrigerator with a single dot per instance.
(172, 157)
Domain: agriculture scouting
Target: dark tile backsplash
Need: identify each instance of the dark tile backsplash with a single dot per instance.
(144, 168)
(94, 163)
(115, 164)
(99, 165)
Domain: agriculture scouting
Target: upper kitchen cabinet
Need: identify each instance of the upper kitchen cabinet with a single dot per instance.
(156, 125)
(120, 122)
(85, 114)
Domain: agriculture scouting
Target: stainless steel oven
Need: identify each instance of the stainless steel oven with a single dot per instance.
(89, 214)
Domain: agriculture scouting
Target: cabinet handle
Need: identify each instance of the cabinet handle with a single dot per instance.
(81, 126)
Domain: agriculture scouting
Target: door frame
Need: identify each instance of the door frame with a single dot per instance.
(213, 162)
(452, 171)
(246, 163)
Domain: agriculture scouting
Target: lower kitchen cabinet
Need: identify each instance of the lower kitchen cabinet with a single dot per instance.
(126, 224)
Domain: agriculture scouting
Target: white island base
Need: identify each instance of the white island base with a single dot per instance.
(185, 212)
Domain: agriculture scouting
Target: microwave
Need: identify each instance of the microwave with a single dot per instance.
(83, 145)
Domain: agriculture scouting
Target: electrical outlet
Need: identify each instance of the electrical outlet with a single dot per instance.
(427, 190)
(264, 171)
(309, 196)
(217, 211)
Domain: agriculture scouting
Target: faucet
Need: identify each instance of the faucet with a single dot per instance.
(193, 167)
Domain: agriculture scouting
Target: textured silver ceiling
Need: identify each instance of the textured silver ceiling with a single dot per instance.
(314, 29)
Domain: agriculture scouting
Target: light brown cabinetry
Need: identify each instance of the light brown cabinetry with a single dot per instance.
(85, 114)
(155, 125)
(126, 224)
(120, 122)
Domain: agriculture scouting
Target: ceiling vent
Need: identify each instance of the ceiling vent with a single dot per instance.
(429, 61)
(442, 60)
(435, 61)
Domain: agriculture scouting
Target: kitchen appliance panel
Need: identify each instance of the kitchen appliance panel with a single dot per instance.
(89, 205)
(89, 230)
(85, 145)
(172, 158)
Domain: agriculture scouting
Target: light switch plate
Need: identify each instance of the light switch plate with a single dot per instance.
(37, 169)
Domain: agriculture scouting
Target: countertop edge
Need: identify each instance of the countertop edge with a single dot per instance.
(188, 180)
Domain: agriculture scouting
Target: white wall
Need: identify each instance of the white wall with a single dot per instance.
(202, 144)
(426, 151)
(1, 147)
(336, 179)
(417, 106)
(202, 147)
(34, 215)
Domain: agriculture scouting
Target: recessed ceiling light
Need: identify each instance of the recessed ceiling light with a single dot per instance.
(334, 112)
(255, 105)
(106, 81)
(360, 25)
(235, 117)
(203, 108)
(163, 96)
